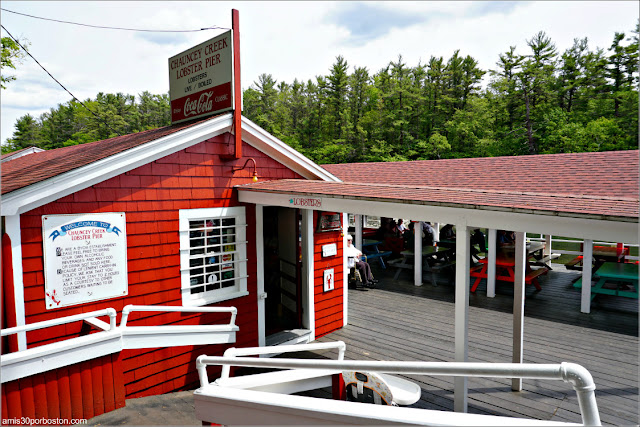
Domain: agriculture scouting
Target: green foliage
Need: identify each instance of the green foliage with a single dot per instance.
(536, 101)
(10, 55)
(72, 124)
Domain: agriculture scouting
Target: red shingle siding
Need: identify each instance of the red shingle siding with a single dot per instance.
(328, 305)
(151, 196)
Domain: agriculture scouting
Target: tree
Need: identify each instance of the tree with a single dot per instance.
(27, 134)
(11, 55)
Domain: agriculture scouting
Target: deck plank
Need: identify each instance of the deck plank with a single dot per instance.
(398, 321)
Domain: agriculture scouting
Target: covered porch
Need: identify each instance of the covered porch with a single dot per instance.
(605, 208)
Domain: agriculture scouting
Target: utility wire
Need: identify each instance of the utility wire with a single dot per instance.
(61, 85)
(115, 28)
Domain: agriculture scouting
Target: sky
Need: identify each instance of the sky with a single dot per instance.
(285, 39)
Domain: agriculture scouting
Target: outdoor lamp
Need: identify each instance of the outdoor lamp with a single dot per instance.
(255, 172)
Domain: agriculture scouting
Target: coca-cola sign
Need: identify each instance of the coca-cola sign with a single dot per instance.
(200, 79)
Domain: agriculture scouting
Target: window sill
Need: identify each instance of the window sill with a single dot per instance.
(207, 301)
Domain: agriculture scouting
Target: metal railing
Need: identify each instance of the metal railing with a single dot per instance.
(257, 351)
(576, 375)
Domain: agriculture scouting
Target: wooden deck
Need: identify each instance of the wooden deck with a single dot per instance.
(399, 321)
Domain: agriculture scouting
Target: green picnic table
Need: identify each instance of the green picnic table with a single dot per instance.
(622, 275)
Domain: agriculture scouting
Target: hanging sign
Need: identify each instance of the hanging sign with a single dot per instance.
(328, 284)
(200, 79)
(85, 258)
(329, 222)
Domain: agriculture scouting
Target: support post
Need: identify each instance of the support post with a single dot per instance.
(237, 88)
(309, 321)
(587, 256)
(358, 229)
(520, 258)
(260, 276)
(345, 269)
(12, 228)
(463, 263)
(417, 253)
(491, 263)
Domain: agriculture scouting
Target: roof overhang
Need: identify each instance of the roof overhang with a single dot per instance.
(49, 190)
(569, 224)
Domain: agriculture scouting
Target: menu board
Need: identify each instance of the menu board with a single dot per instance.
(85, 258)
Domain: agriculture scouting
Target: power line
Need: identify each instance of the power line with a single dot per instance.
(115, 28)
(61, 85)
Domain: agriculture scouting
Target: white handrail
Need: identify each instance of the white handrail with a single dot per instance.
(248, 351)
(62, 320)
(576, 375)
(131, 308)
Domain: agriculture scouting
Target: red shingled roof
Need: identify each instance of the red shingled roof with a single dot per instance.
(604, 185)
(27, 170)
(603, 207)
(611, 173)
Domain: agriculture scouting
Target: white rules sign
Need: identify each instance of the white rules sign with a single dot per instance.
(85, 258)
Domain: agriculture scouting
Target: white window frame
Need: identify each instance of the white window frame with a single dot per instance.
(239, 289)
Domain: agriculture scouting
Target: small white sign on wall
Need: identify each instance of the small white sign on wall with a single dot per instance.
(328, 280)
(85, 258)
(329, 250)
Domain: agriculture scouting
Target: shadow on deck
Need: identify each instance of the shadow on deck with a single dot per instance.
(399, 321)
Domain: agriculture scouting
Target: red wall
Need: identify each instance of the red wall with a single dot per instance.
(151, 196)
(328, 305)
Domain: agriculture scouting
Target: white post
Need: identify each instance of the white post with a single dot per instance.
(436, 227)
(463, 263)
(417, 253)
(491, 263)
(260, 275)
(358, 220)
(547, 246)
(345, 270)
(520, 258)
(308, 270)
(12, 225)
(587, 256)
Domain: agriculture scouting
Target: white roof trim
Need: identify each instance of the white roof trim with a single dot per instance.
(20, 153)
(49, 190)
(261, 140)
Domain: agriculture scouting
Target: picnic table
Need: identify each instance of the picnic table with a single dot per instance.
(505, 267)
(372, 251)
(600, 254)
(619, 274)
(435, 259)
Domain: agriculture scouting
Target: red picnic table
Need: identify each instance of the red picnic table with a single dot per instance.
(505, 265)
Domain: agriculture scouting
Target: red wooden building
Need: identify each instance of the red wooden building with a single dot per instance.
(187, 242)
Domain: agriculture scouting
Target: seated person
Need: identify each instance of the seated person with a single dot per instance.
(363, 267)
(447, 233)
(477, 238)
(505, 238)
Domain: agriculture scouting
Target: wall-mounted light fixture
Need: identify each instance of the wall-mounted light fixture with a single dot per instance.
(255, 173)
